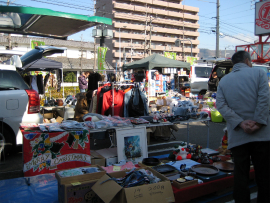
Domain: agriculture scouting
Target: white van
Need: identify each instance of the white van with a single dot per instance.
(200, 73)
(198, 78)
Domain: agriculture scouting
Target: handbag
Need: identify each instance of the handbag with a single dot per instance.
(135, 110)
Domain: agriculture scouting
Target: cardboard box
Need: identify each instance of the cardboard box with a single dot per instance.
(59, 119)
(97, 159)
(48, 115)
(79, 178)
(185, 184)
(110, 154)
(81, 192)
(157, 192)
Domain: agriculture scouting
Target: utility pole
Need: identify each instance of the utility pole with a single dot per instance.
(95, 55)
(81, 49)
(217, 30)
(145, 29)
(150, 35)
(9, 35)
(183, 48)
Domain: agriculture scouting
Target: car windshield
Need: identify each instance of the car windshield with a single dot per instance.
(11, 80)
(203, 72)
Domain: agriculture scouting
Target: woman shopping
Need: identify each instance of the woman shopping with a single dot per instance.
(83, 83)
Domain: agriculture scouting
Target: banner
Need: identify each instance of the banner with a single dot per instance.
(171, 55)
(101, 57)
(47, 152)
(191, 60)
(36, 43)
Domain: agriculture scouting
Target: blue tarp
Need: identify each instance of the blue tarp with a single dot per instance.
(42, 188)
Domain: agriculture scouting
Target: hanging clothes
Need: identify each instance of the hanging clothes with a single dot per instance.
(118, 103)
(93, 79)
(59, 79)
(136, 97)
(98, 94)
(34, 82)
(46, 79)
(94, 94)
(100, 100)
(27, 79)
(40, 84)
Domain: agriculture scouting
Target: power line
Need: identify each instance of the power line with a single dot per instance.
(57, 4)
(237, 17)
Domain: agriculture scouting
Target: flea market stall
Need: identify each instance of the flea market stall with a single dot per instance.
(60, 166)
(131, 167)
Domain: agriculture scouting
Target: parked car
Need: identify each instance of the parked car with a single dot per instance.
(199, 75)
(18, 102)
(224, 67)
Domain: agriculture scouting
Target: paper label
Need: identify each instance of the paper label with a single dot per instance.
(76, 183)
(116, 168)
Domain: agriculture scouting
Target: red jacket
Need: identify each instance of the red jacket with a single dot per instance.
(119, 96)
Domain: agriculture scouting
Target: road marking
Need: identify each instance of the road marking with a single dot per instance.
(252, 196)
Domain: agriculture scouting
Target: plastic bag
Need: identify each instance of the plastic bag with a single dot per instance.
(72, 125)
(103, 124)
(89, 124)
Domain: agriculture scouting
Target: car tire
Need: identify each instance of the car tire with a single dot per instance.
(6, 142)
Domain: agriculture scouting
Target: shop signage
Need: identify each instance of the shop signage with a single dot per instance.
(171, 55)
(47, 152)
(191, 60)
(101, 57)
(262, 15)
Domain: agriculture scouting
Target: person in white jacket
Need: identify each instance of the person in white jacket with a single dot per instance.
(243, 100)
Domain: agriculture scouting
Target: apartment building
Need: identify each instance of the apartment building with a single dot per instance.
(143, 27)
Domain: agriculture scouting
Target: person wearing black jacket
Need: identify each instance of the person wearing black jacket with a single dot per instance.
(212, 85)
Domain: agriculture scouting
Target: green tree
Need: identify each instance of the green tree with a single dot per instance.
(70, 77)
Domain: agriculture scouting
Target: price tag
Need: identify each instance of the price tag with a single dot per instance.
(75, 184)
(116, 168)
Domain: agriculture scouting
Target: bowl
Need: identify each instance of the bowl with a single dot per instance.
(151, 161)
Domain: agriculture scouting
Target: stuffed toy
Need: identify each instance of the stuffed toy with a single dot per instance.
(81, 107)
(179, 153)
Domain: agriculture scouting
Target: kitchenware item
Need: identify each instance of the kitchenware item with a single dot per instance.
(224, 166)
(205, 169)
(151, 161)
(164, 168)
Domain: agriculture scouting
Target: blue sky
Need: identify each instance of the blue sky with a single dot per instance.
(236, 19)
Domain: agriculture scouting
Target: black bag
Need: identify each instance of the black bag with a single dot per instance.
(135, 110)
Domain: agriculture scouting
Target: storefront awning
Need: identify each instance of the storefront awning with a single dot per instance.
(45, 22)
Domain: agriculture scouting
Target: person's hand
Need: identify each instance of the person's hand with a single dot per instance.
(250, 126)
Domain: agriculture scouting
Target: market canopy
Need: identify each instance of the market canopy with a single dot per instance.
(45, 22)
(155, 61)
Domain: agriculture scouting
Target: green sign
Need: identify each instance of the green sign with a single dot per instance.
(36, 43)
(191, 60)
(170, 55)
(101, 57)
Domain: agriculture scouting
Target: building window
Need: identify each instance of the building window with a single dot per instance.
(70, 76)
(103, 7)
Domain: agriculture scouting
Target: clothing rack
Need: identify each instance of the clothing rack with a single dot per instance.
(113, 84)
